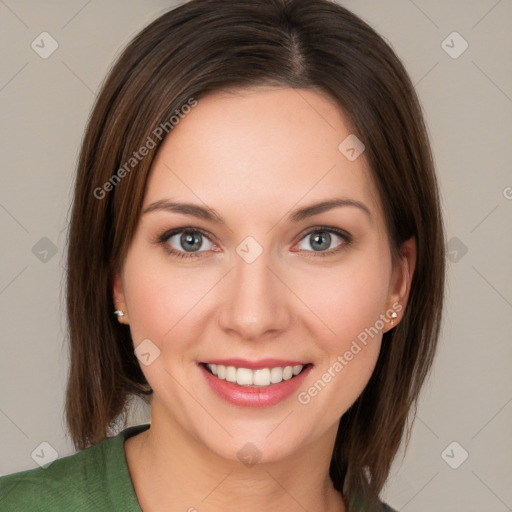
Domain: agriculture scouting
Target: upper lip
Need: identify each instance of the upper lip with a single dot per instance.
(256, 365)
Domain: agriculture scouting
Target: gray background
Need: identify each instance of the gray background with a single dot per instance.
(468, 106)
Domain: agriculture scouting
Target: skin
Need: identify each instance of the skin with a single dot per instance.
(254, 156)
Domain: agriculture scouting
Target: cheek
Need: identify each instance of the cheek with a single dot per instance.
(160, 298)
(348, 298)
(349, 305)
(351, 310)
(165, 307)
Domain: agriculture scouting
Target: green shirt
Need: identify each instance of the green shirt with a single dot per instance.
(92, 480)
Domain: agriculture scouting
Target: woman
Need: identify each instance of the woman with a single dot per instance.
(256, 247)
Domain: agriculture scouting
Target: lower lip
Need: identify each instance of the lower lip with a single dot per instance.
(254, 396)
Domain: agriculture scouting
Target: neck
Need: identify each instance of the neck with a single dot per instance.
(172, 470)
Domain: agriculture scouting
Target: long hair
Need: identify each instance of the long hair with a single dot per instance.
(205, 46)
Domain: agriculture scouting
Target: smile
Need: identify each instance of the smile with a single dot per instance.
(265, 383)
(261, 377)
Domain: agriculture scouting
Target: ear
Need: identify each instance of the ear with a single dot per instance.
(118, 297)
(400, 287)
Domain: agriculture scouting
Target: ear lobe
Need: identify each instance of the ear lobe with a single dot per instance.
(118, 298)
(402, 277)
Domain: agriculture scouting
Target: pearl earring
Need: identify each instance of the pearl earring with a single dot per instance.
(120, 315)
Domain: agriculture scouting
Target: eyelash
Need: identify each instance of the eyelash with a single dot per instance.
(164, 238)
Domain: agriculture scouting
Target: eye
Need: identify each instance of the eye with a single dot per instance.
(185, 243)
(320, 241)
(193, 242)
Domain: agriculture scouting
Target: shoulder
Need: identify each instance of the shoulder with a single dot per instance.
(80, 482)
(66, 482)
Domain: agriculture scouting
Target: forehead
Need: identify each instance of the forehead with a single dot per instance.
(276, 147)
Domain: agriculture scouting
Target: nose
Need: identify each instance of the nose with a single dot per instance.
(256, 304)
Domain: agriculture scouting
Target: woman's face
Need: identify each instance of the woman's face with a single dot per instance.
(248, 275)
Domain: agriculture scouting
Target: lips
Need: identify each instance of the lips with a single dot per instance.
(254, 383)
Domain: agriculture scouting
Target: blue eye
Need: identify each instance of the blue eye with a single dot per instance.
(189, 242)
(184, 243)
(320, 241)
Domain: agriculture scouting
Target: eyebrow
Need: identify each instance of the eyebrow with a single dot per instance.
(209, 214)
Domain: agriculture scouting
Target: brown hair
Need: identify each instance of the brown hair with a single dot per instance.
(205, 46)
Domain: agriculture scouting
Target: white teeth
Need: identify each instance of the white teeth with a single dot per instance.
(221, 371)
(261, 377)
(231, 374)
(276, 375)
(287, 372)
(244, 377)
